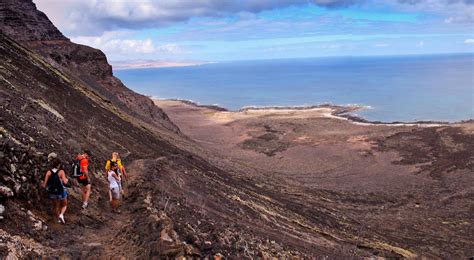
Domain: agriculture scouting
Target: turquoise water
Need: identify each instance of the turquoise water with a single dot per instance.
(401, 88)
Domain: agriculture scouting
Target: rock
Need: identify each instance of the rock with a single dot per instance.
(6, 192)
(13, 168)
(263, 255)
(164, 236)
(192, 251)
(2, 209)
(38, 225)
(17, 188)
(207, 245)
(51, 156)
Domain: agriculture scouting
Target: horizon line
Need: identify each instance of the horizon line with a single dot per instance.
(176, 64)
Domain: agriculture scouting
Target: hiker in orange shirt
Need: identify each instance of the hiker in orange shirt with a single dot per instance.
(84, 179)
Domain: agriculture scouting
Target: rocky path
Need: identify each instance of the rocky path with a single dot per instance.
(95, 232)
(139, 230)
(104, 239)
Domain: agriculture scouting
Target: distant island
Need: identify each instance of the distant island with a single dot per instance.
(145, 64)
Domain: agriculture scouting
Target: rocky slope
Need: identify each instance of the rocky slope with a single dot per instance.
(184, 200)
(21, 19)
(30, 27)
(43, 110)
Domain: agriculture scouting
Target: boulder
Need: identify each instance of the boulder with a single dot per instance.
(6, 192)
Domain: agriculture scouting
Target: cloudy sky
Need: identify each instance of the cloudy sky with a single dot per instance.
(218, 30)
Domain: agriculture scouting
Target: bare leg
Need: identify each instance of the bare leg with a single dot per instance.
(121, 188)
(63, 206)
(55, 209)
(88, 193)
(115, 203)
(84, 191)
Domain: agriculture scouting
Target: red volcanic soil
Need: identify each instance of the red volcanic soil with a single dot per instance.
(405, 186)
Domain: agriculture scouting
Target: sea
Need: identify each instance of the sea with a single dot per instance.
(392, 88)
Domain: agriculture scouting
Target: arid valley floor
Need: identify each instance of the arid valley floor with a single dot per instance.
(404, 185)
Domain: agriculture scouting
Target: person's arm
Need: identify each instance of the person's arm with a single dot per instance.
(62, 176)
(107, 166)
(46, 178)
(84, 169)
(116, 176)
(124, 173)
(122, 169)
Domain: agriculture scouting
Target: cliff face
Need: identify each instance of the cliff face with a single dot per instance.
(21, 21)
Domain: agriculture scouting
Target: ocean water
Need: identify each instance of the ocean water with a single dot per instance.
(398, 88)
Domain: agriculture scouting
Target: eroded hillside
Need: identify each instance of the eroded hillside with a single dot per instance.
(188, 198)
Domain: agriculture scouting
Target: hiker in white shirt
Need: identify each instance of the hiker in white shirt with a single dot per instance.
(114, 187)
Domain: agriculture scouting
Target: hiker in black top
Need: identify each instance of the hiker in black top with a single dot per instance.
(54, 182)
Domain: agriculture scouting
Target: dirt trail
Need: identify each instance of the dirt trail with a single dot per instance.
(138, 230)
(96, 231)
(106, 241)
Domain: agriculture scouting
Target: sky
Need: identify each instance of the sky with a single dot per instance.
(225, 30)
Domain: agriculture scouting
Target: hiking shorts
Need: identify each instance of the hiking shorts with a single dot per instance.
(84, 181)
(58, 196)
(115, 193)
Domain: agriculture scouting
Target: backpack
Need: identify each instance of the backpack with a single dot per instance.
(76, 168)
(55, 185)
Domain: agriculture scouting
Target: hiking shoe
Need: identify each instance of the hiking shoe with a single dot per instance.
(61, 219)
(84, 205)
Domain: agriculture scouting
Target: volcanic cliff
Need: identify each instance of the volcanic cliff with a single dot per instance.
(32, 29)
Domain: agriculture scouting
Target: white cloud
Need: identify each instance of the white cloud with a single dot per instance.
(115, 46)
(469, 41)
(93, 17)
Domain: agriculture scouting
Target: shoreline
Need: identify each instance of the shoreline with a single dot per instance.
(340, 112)
(155, 65)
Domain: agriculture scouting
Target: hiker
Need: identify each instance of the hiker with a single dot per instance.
(83, 176)
(54, 182)
(114, 188)
(120, 169)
